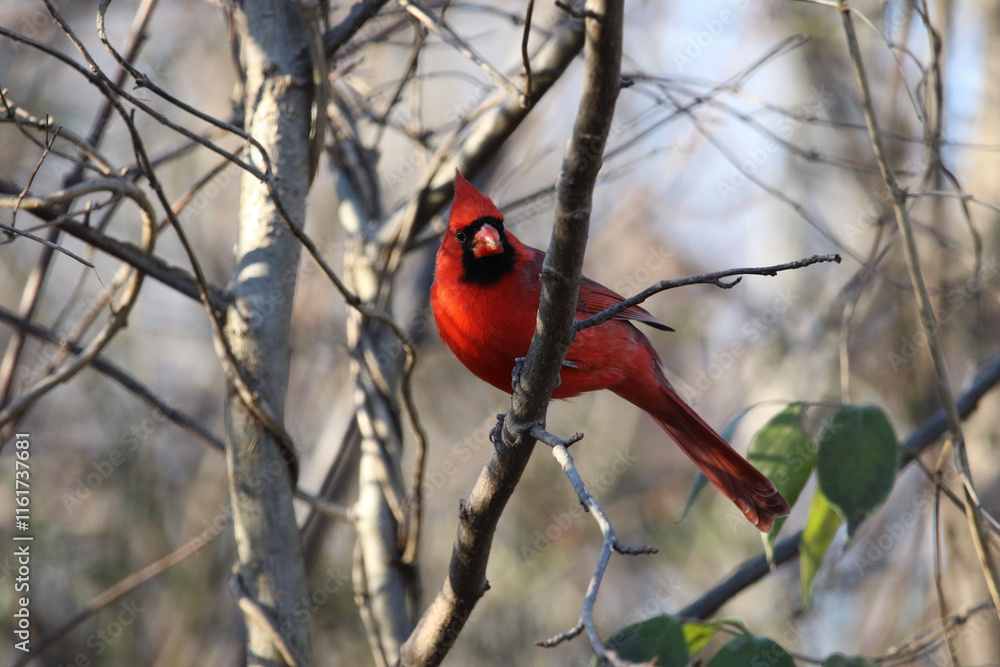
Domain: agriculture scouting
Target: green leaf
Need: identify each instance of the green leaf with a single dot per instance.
(841, 660)
(700, 480)
(784, 453)
(750, 651)
(821, 526)
(698, 634)
(857, 462)
(660, 637)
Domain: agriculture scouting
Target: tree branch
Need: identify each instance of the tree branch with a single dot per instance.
(119, 311)
(149, 264)
(928, 320)
(478, 517)
(758, 567)
(706, 278)
(270, 576)
(609, 545)
(485, 137)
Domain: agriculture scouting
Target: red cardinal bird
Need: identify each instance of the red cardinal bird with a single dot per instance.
(485, 299)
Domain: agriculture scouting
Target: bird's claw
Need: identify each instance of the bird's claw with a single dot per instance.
(515, 373)
(499, 433)
(496, 433)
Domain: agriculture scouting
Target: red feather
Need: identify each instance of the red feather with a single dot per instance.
(485, 299)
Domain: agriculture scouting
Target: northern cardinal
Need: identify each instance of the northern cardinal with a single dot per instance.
(485, 299)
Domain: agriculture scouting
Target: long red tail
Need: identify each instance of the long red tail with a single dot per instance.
(753, 493)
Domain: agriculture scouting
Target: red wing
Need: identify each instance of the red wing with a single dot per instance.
(595, 297)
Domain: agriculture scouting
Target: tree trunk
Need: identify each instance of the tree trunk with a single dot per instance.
(278, 102)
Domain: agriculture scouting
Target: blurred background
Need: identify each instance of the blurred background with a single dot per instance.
(740, 142)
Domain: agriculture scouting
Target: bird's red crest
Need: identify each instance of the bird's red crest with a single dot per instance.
(470, 204)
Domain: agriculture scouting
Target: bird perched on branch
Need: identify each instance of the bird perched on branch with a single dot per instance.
(485, 299)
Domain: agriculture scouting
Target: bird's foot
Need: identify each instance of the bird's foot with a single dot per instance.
(515, 373)
(496, 433)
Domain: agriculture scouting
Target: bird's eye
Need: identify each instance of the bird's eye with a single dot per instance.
(460, 236)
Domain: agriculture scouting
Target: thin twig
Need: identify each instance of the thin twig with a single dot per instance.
(127, 585)
(753, 569)
(143, 81)
(707, 278)
(928, 320)
(939, 588)
(926, 641)
(119, 312)
(450, 37)
(45, 242)
(609, 545)
(524, 49)
(409, 70)
(955, 195)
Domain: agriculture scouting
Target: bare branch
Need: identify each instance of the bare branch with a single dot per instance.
(609, 544)
(525, 59)
(108, 87)
(758, 567)
(706, 278)
(127, 585)
(928, 320)
(119, 312)
(466, 581)
(448, 36)
(151, 265)
(359, 15)
(14, 231)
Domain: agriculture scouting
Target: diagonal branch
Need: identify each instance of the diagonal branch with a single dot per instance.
(448, 36)
(609, 545)
(758, 567)
(478, 517)
(706, 278)
(928, 320)
(485, 137)
(120, 310)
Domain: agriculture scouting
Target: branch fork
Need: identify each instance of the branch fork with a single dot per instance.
(610, 544)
